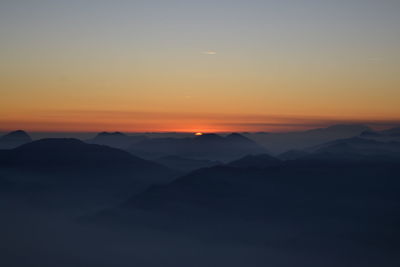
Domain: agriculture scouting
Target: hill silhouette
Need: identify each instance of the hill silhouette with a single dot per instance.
(78, 175)
(206, 146)
(115, 139)
(14, 139)
(69, 152)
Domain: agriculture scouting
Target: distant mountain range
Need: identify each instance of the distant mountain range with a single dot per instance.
(332, 198)
(116, 139)
(354, 149)
(205, 147)
(278, 143)
(256, 161)
(389, 134)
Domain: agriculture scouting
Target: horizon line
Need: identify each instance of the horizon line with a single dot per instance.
(194, 131)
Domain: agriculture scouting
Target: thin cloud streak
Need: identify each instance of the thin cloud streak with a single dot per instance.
(209, 52)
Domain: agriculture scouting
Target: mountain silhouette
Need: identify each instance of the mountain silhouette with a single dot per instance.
(278, 143)
(115, 139)
(185, 164)
(362, 145)
(335, 198)
(293, 154)
(395, 132)
(256, 161)
(69, 152)
(206, 147)
(388, 135)
(14, 139)
(369, 134)
(357, 148)
(314, 203)
(68, 172)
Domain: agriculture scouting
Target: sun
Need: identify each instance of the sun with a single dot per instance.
(198, 134)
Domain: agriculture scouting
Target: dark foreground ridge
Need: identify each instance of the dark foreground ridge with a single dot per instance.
(336, 203)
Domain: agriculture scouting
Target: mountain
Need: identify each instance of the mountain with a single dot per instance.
(74, 174)
(14, 139)
(356, 148)
(370, 134)
(73, 155)
(278, 143)
(205, 147)
(388, 135)
(295, 206)
(256, 161)
(395, 132)
(185, 164)
(115, 139)
(254, 211)
(69, 153)
(293, 154)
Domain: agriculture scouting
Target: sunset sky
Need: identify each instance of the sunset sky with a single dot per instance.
(198, 66)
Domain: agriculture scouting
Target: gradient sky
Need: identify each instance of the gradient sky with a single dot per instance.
(81, 65)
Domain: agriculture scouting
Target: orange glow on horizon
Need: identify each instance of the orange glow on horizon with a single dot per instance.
(130, 122)
(177, 71)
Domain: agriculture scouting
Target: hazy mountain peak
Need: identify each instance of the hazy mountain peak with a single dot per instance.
(104, 134)
(342, 142)
(115, 139)
(235, 134)
(14, 139)
(17, 134)
(355, 127)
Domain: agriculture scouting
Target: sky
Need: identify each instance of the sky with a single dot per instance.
(198, 66)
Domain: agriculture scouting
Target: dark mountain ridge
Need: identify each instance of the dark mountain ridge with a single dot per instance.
(14, 139)
(353, 149)
(116, 139)
(278, 143)
(315, 204)
(68, 152)
(68, 173)
(207, 146)
(357, 147)
(256, 161)
(185, 164)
